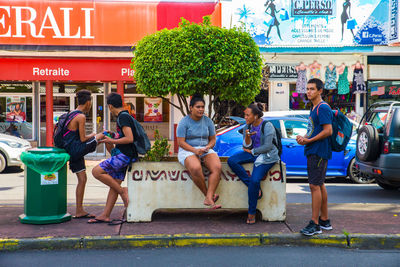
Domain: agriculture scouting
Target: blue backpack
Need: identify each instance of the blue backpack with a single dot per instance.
(342, 130)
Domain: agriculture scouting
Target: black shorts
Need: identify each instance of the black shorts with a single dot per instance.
(316, 169)
(77, 152)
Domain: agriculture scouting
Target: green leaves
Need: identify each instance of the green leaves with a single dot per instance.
(198, 58)
(159, 149)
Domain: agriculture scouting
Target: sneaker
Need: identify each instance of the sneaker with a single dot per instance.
(311, 229)
(326, 225)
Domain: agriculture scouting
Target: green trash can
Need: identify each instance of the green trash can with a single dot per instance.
(45, 197)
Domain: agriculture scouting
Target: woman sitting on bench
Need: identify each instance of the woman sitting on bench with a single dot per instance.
(196, 138)
(258, 148)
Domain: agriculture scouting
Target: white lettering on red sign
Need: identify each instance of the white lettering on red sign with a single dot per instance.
(127, 72)
(50, 72)
(18, 27)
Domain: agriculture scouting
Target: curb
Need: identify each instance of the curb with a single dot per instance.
(360, 241)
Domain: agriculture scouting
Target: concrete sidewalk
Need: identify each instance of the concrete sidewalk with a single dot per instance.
(372, 226)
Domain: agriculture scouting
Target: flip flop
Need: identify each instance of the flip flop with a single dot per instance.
(94, 220)
(214, 207)
(116, 222)
(86, 216)
(251, 221)
(215, 197)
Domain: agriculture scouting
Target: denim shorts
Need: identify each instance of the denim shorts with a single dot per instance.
(116, 165)
(316, 169)
(183, 154)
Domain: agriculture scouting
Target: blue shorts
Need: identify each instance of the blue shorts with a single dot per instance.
(116, 165)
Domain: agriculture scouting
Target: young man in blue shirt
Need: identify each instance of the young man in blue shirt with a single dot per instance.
(318, 151)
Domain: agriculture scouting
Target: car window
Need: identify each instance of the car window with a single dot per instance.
(295, 128)
(378, 120)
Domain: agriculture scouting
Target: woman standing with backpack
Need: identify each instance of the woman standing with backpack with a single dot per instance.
(258, 148)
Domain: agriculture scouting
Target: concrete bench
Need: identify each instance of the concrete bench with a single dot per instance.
(167, 185)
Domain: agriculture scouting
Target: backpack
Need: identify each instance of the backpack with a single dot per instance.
(141, 140)
(63, 121)
(342, 130)
(278, 141)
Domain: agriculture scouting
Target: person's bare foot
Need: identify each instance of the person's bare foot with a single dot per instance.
(125, 196)
(208, 201)
(100, 219)
(83, 214)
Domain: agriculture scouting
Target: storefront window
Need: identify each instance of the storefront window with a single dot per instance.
(129, 88)
(151, 112)
(65, 88)
(345, 103)
(16, 110)
(6, 87)
(64, 100)
(298, 101)
(383, 91)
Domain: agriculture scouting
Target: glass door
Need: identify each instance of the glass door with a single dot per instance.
(95, 121)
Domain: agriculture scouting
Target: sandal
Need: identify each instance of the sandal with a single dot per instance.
(251, 220)
(214, 207)
(215, 197)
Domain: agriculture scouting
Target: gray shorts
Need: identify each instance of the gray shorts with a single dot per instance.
(183, 154)
(316, 169)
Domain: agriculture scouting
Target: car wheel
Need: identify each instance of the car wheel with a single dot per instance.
(358, 177)
(367, 143)
(3, 162)
(387, 186)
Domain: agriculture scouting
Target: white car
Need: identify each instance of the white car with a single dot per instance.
(11, 148)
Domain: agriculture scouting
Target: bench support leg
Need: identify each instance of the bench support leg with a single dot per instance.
(140, 214)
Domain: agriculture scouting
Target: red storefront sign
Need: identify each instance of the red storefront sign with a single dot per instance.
(94, 22)
(65, 69)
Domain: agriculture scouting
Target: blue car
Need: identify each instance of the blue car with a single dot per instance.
(342, 163)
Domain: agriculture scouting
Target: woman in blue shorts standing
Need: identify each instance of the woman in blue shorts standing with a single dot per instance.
(258, 148)
(196, 138)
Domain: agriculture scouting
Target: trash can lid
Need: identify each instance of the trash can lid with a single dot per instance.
(46, 150)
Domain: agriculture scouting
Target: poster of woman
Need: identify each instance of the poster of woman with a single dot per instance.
(16, 109)
(313, 23)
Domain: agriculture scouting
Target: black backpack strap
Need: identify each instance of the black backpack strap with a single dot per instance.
(263, 126)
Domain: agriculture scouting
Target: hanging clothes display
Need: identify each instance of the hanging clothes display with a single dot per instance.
(315, 70)
(301, 84)
(359, 86)
(343, 84)
(330, 78)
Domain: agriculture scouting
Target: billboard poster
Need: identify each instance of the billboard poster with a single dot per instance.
(16, 109)
(313, 23)
(153, 110)
(130, 105)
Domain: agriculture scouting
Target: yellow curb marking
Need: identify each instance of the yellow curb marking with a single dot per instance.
(8, 244)
(45, 237)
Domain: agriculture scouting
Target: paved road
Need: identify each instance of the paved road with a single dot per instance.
(340, 190)
(208, 256)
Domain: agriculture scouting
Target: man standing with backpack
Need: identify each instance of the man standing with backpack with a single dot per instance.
(123, 152)
(318, 151)
(71, 135)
